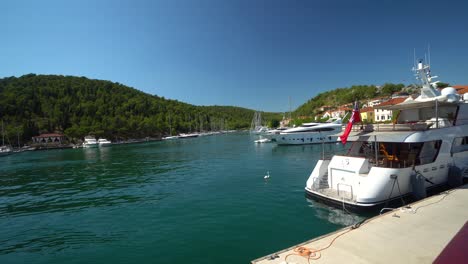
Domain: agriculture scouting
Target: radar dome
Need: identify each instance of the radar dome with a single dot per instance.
(448, 90)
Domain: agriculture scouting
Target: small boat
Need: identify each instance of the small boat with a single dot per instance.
(192, 135)
(4, 150)
(262, 140)
(170, 137)
(90, 142)
(104, 142)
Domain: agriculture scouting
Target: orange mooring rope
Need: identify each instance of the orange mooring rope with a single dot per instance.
(313, 254)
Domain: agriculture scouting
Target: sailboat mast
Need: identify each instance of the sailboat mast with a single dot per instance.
(3, 135)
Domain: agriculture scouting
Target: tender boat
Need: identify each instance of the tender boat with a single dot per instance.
(309, 133)
(426, 147)
(5, 150)
(90, 142)
(102, 142)
(170, 137)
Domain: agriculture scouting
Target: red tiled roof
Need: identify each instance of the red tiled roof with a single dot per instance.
(461, 89)
(393, 101)
(367, 109)
(343, 109)
(49, 135)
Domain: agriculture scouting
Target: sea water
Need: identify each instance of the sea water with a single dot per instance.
(198, 200)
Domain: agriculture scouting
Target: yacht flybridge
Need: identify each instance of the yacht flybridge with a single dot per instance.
(425, 147)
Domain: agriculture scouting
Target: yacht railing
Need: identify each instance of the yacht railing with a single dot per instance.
(432, 123)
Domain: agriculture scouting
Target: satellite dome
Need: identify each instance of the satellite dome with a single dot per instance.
(448, 90)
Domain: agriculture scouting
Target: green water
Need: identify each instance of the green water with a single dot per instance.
(201, 200)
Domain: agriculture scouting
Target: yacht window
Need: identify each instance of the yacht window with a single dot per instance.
(429, 151)
(397, 155)
(324, 129)
(460, 144)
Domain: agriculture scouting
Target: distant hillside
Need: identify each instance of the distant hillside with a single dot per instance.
(78, 106)
(341, 96)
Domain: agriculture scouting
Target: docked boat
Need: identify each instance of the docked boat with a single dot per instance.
(170, 137)
(256, 126)
(424, 148)
(90, 142)
(4, 150)
(190, 135)
(272, 133)
(309, 133)
(102, 142)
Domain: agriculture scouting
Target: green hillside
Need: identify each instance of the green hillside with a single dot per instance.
(78, 106)
(341, 96)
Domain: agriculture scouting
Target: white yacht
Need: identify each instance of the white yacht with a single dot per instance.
(102, 142)
(4, 150)
(425, 147)
(90, 142)
(309, 133)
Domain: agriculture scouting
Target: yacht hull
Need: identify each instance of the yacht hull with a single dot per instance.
(372, 206)
(304, 138)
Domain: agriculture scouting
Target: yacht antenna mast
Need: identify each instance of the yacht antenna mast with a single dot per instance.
(429, 54)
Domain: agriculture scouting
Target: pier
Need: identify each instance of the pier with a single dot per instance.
(417, 233)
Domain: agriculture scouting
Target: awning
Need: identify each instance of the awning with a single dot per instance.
(411, 104)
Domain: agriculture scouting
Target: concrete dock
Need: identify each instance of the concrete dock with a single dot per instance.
(406, 235)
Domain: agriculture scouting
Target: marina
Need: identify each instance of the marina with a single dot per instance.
(418, 233)
(136, 203)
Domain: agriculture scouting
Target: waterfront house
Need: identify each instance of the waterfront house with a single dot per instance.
(367, 114)
(340, 112)
(51, 138)
(382, 115)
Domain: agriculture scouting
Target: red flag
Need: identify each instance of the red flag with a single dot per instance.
(355, 117)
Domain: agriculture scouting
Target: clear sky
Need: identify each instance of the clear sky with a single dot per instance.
(250, 53)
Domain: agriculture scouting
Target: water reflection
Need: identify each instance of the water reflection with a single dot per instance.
(334, 215)
(83, 178)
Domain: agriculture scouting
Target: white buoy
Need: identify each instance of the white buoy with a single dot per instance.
(267, 176)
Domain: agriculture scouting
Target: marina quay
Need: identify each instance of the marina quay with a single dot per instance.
(417, 233)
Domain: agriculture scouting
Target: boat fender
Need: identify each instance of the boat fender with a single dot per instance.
(455, 177)
(418, 182)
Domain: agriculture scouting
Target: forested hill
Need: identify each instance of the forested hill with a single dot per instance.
(341, 96)
(78, 106)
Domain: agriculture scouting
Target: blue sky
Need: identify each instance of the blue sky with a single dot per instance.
(252, 54)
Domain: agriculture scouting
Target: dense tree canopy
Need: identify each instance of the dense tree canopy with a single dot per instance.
(341, 96)
(78, 106)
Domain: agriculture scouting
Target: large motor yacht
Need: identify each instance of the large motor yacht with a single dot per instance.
(426, 146)
(309, 133)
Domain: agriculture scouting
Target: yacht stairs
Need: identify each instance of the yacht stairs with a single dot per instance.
(322, 186)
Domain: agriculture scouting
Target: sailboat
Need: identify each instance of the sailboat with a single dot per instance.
(4, 150)
(256, 125)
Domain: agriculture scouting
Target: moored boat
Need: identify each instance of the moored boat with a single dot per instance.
(90, 142)
(309, 133)
(102, 142)
(426, 147)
